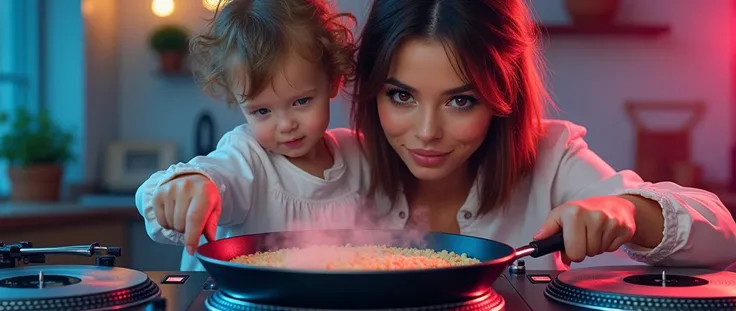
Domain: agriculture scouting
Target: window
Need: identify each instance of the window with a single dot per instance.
(19, 61)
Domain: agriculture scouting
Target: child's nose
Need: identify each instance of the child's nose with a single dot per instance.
(287, 125)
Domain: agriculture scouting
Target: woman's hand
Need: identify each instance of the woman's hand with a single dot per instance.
(591, 226)
(189, 204)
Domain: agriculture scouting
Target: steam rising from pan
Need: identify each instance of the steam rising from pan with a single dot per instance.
(305, 233)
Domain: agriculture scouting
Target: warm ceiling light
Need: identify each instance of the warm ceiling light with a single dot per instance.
(88, 8)
(162, 8)
(212, 4)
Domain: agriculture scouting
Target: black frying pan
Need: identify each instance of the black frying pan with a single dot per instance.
(363, 289)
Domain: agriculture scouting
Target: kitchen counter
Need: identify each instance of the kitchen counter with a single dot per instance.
(19, 216)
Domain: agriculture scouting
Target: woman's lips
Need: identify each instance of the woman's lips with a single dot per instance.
(428, 158)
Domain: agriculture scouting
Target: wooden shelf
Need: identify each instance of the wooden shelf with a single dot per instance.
(605, 30)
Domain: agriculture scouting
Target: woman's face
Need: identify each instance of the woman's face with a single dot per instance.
(429, 115)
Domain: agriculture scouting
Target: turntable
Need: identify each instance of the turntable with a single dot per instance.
(27, 284)
(627, 288)
(52, 287)
(646, 288)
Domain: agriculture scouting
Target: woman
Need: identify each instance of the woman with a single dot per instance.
(450, 104)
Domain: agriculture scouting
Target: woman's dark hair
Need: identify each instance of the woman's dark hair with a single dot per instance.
(495, 43)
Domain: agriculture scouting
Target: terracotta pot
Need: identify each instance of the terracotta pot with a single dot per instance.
(172, 62)
(592, 12)
(35, 183)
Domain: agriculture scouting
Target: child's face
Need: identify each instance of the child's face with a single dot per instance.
(291, 114)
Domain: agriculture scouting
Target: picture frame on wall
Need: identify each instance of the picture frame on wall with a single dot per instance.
(129, 163)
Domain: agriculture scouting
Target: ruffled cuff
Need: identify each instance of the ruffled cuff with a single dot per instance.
(184, 168)
(671, 232)
(175, 237)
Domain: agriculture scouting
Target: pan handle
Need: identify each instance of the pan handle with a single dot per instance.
(542, 247)
(549, 245)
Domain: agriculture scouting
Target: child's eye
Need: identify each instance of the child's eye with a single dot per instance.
(302, 101)
(261, 112)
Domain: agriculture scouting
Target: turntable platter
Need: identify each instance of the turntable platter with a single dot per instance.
(627, 288)
(79, 287)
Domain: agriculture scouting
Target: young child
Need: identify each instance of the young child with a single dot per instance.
(281, 61)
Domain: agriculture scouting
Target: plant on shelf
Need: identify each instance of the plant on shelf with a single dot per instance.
(36, 149)
(172, 45)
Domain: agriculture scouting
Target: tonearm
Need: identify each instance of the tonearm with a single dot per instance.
(11, 254)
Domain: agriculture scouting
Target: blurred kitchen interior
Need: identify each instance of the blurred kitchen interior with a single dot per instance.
(659, 73)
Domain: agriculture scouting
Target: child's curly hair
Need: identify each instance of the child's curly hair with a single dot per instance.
(258, 34)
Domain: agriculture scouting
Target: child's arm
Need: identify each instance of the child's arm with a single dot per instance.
(232, 167)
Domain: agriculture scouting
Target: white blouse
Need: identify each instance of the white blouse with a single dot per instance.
(271, 193)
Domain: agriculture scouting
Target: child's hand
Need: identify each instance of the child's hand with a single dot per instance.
(190, 204)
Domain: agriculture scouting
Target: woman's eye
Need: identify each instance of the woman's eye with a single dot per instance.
(404, 97)
(399, 96)
(463, 102)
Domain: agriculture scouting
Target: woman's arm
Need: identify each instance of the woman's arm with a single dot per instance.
(676, 226)
(649, 219)
(232, 166)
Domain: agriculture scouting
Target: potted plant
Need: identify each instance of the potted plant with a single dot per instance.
(36, 149)
(172, 45)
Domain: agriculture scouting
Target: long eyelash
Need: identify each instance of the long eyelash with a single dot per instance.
(394, 91)
(391, 92)
(471, 100)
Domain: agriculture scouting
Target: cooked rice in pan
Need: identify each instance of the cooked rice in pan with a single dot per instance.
(355, 258)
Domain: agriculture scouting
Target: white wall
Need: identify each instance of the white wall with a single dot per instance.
(79, 78)
(64, 79)
(101, 56)
(592, 78)
(150, 106)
